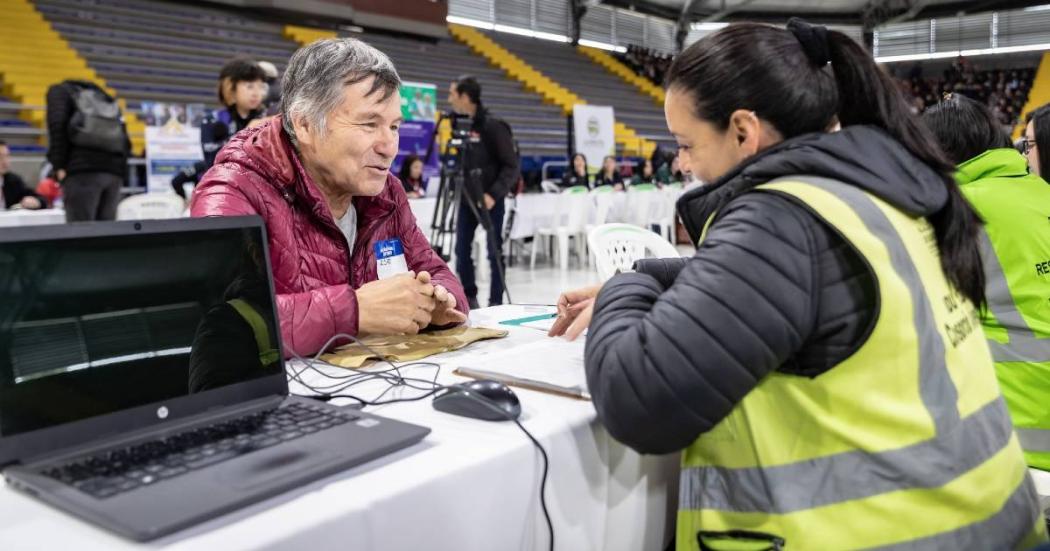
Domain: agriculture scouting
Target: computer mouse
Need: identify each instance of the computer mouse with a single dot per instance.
(465, 399)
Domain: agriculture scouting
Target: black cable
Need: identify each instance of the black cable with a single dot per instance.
(354, 379)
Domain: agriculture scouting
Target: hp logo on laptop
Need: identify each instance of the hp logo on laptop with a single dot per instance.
(162, 412)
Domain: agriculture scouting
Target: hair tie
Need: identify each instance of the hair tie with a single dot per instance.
(814, 40)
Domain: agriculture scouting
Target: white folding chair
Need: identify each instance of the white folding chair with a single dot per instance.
(578, 206)
(640, 204)
(664, 213)
(547, 233)
(616, 247)
(550, 186)
(603, 198)
(151, 206)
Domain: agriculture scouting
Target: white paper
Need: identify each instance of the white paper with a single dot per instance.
(524, 362)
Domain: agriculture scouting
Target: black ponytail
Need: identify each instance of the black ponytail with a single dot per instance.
(867, 95)
(785, 77)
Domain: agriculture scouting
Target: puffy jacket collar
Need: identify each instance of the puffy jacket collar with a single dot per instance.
(267, 151)
(863, 156)
(994, 163)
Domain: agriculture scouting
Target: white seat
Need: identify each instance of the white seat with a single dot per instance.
(550, 186)
(664, 213)
(603, 203)
(151, 206)
(578, 205)
(640, 206)
(616, 247)
(549, 232)
(545, 234)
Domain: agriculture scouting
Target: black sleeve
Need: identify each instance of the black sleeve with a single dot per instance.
(15, 189)
(224, 351)
(502, 143)
(663, 270)
(666, 365)
(59, 111)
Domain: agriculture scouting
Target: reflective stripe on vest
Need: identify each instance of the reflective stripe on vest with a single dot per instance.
(959, 454)
(268, 355)
(1023, 346)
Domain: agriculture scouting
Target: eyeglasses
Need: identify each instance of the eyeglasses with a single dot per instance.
(1029, 145)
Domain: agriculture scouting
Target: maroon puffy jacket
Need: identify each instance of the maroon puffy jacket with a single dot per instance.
(314, 275)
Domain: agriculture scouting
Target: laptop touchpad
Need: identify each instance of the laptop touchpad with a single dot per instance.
(268, 468)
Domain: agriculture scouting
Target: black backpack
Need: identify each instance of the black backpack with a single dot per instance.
(97, 122)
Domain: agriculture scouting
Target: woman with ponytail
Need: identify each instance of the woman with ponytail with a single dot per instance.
(819, 361)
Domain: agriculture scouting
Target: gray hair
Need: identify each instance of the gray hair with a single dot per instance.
(316, 74)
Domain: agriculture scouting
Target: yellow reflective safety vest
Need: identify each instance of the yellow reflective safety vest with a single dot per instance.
(905, 444)
(264, 342)
(1015, 206)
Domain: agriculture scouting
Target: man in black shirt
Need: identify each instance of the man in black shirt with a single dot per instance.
(15, 191)
(491, 150)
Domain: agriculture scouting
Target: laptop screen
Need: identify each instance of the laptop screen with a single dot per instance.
(95, 325)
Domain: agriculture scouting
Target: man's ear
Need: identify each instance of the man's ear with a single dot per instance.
(303, 131)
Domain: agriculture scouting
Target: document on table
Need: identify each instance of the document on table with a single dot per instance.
(548, 365)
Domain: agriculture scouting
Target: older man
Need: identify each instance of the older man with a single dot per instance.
(318, 173)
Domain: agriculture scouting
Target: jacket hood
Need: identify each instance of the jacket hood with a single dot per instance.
(994, 163)
(860, 155)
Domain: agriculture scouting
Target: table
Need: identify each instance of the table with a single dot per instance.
(536, 210)
(21, 217)
(470, 485)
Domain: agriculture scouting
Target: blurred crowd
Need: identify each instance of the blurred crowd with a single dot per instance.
(648, 63)
(1004, 91)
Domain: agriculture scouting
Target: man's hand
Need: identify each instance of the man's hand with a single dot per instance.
(489, 202)
(30, 203)
(445, 313)
(398, 305)
(574, 312)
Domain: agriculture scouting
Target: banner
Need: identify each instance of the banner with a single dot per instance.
(592, 129)
(173, 141)
(419, 109)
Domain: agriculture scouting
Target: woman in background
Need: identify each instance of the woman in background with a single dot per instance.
(609, 175)
(576, 175)
(411, 176)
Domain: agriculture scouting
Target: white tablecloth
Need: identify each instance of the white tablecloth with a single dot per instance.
(20, 217)
(470, 485)
(536, 210)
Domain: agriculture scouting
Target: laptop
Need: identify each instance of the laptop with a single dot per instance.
(142, 386)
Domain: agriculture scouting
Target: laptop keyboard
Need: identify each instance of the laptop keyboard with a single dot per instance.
(115, 471)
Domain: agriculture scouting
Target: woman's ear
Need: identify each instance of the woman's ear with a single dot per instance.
(746, 131)
(227, 91)
(752, 134)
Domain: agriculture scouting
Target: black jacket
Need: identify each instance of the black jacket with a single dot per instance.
(61, 153)
(492, 150)
(570, 179)
(601, 180)
(224, 348)
(15, 189)
(216, 129)
(673, 348)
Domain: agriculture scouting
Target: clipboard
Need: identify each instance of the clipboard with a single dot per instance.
(529, 366)
(539, 386)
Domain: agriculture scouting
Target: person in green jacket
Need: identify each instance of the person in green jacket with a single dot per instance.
(1015, 206)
